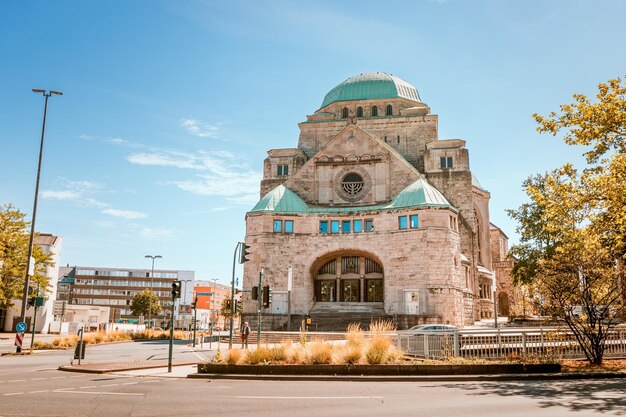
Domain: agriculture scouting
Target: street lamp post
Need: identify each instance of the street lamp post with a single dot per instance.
(47, 95)
(153, 257)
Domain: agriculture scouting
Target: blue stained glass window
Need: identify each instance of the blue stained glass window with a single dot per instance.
(334, 226)
(323, 227)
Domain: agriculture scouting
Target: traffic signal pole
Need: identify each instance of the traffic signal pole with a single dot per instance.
(258, 306)
(232, 297)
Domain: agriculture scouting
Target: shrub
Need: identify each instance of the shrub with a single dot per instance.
(321, 353)
(234, 356)
(278, 353)
(352, 355)
(354, 335)
(377, 351)
(259, 355)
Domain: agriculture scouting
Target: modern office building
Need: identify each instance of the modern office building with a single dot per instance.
(116, 287)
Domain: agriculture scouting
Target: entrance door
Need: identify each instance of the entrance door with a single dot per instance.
(350, 290)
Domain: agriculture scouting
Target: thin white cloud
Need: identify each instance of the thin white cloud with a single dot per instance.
(220, 173)
(60, 195)
(125, 214)
(150, 233)
(197, 128)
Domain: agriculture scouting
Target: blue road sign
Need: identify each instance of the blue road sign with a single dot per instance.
(21, 327)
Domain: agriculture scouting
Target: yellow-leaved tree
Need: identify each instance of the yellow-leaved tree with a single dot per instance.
(572, 248)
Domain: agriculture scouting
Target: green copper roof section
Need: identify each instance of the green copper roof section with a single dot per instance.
(420, 193)
(281, 200)
(371, 85)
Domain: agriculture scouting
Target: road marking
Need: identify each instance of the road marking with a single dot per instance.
(37, 392)
(65, 391)
(14, 393)
(37, 379)
(17, 380)
(254, 397)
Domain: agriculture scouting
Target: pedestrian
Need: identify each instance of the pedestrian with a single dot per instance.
(245, 332)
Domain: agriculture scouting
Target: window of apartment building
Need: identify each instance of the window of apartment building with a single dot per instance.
(283, 170)
(414, 221)
(369, 226)
(345, 226)
(403, 223)
(357, 226)
(445, 162)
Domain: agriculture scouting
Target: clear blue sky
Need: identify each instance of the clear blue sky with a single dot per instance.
(169, 108)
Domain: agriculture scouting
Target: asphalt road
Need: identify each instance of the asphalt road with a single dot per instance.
(31, 386)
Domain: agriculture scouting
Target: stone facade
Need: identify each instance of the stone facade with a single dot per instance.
(372, 213)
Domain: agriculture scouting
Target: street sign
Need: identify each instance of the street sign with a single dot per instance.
(21, 327)
(19, 338)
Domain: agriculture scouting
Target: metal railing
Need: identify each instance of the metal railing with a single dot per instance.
(551, 343)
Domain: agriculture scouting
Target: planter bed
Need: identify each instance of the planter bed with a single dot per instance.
(406, 370)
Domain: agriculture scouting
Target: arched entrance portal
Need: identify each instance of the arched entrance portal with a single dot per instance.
(349, 279)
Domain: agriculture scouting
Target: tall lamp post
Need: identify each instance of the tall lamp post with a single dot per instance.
(47, 95)
(153, 257)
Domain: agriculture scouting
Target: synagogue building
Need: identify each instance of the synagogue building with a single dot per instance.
(372, 215)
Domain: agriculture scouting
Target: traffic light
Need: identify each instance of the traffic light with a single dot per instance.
(255, 293)
(243, 255)
(266, 296)
(176, 289)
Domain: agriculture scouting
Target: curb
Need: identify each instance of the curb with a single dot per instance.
(72, 368)
(425, 378)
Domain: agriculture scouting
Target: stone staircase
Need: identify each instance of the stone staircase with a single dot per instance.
(335, 317)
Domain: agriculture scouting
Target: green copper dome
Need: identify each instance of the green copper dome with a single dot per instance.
(372, 85)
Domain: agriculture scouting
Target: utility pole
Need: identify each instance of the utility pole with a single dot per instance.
(47, 95)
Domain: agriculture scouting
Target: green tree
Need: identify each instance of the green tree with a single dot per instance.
(14, 237)
(573, 240)
(142, 301)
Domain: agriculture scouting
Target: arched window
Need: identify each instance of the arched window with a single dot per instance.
(344, 113)
(374, 111)
(359, 112)
(389, 111)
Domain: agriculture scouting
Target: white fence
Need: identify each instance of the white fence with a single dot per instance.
(504, 343)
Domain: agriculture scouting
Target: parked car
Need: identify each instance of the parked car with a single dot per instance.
(431, 329)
